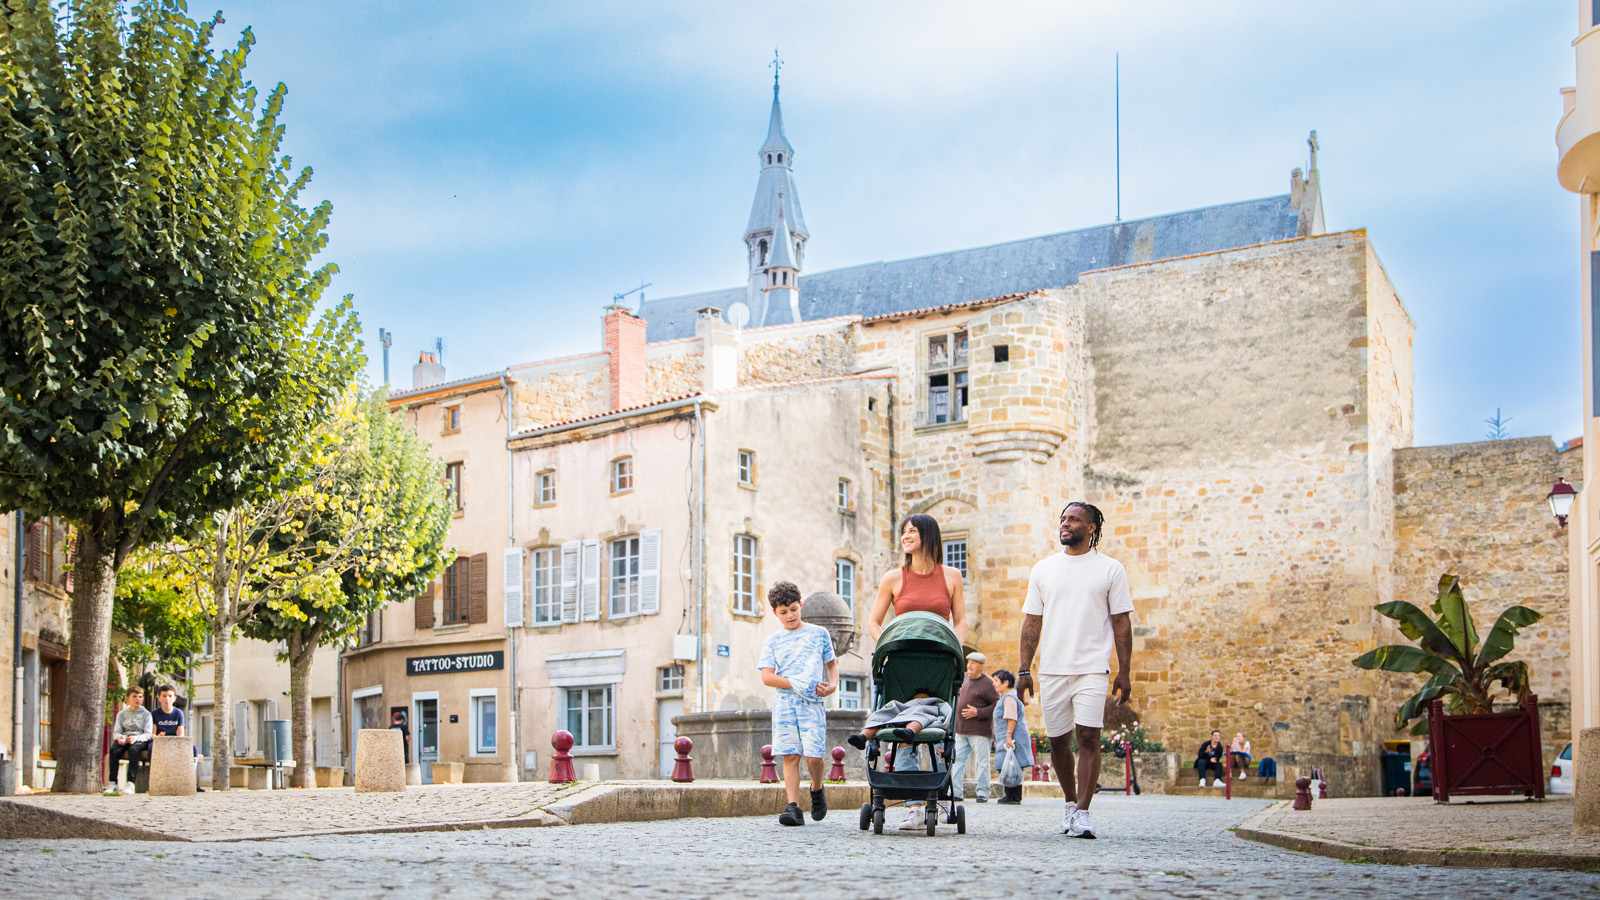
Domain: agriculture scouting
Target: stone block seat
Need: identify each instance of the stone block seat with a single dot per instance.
(1188, 784)
(380, 761)
(171, 768)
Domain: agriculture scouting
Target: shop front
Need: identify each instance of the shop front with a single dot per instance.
(453, 700)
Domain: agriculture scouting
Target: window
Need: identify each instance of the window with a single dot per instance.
(371, 631)
(851, 694)
(456, 607)
(763, 246)
(589, 717)
(452, 484)
(947, 378)
(625, 577)
(844, 495)
(208, 647)
(1002, 353)
(744, 575)
(485, 725)
(46, 745)
(955, 555)
(547, 488)
(622, 475)
(203, 723)
(844, 580)
(747, 468)
(259, 708)
(669, 678)
(452, 419)
(546, 586)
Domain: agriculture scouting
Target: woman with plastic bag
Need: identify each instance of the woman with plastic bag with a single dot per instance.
(1013, 743)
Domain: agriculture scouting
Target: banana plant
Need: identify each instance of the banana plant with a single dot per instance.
(1462, 669)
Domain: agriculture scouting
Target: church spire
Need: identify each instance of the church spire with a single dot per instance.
(777, 205)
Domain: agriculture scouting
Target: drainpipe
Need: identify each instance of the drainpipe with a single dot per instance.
(18, 561)
(511, 541)
(700, 552)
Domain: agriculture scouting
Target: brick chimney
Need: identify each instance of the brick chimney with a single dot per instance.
(625, 346)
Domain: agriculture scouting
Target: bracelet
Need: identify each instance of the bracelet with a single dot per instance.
(1021, 672)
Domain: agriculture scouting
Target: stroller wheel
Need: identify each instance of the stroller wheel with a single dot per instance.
(877, 821)
(932, 818)
(961, 819)
(866, 816)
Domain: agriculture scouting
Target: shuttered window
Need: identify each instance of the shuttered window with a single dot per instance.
(513, 586)
(546, 586)
(478, 589)
(424, 608)
(624, 577)
(589, 586)
(36, 550)
(458, 592)
(570, 581)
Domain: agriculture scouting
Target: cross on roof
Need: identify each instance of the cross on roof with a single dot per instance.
(776, 64)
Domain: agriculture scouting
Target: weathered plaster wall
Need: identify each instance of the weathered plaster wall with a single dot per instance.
(1478, 511)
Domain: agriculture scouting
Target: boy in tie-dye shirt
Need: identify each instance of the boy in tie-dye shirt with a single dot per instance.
(799, 661)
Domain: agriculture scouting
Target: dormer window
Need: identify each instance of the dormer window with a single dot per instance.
(763, 247)
(780, 159)
(769, 159)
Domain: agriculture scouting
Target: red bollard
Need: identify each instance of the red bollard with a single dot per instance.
(1322, 789)
(1033, 774)
(681, 771)
(561, 771)
(1400, 792)
(1046, 771)
(1302, 793)
(837, 772)
(1127, 759)
(769, 769)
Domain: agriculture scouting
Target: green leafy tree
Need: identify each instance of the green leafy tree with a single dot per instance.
(1461, 669)
(160, 353)
(389, 479)
(160, 617)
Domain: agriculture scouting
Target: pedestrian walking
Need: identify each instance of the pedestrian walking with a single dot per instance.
(974, 727)
(1078, 609)
(921, 583)
(799, 661)
(1011, 733)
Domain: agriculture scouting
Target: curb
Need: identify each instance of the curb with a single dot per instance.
(608, 803)
(1407, 856)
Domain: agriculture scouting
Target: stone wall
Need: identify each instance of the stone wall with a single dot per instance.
(1478, 511)
(796, 352)
(674, 370)
(561, 391)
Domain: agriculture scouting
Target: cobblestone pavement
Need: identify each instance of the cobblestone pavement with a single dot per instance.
(237, 814)
(1149, 846)
(1418, 822)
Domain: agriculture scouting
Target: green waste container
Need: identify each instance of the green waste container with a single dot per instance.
(1396, 773)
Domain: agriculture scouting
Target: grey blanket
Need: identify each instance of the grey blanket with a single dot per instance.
(930, 711)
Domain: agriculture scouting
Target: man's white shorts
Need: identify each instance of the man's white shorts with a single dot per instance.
(1069, 700)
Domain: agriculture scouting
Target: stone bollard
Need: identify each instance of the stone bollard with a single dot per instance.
(561, 771)
(172, 762)
(682, 772)
(1322, 789)
(1033, 772)
(380, 761)
(1302, 793)
(837, 772)
(1400, 792)
(1586, 799)
(769, 769)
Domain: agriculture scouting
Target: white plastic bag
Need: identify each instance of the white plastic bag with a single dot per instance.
(1010, 770)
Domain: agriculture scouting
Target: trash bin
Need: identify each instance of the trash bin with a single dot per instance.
(1396, 773)
(280, 746)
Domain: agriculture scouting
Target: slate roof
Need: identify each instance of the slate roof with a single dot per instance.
(963, 276)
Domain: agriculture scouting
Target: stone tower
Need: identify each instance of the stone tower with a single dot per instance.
(776, 206)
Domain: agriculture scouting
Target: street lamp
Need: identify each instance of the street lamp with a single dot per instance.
(1560, 499)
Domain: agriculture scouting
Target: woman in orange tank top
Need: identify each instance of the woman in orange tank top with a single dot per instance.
(922, 583)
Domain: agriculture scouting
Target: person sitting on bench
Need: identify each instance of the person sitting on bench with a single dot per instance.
(1210, 759)
(130, 738)
(169, 719)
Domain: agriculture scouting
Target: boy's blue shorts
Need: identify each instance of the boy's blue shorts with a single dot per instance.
(798, 728)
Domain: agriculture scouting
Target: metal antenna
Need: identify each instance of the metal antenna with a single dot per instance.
(438, 350)
(616, 299)
(1117, 64)
(385, 338)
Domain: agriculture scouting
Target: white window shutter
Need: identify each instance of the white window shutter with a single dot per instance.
(589, 594)
(513, 586)
(650, 571)
(569, 580)
(241, 727)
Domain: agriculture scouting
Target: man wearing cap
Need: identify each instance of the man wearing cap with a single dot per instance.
(974, 726)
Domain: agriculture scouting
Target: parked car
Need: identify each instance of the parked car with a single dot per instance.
(1561, 772)
(1422, 773)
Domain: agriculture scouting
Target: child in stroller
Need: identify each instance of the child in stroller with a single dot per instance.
(923, 711)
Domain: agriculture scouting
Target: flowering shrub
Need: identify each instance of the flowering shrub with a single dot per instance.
(1133, 734)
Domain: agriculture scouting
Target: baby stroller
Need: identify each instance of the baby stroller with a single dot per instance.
(919, 651)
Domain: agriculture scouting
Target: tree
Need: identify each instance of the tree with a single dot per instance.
(398, 489)
(160, 355)
(1463, 670)
(159, 614)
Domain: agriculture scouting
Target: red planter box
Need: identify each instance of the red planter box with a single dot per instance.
(1487, 753)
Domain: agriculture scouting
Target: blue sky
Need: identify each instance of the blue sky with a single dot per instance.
(499, 170)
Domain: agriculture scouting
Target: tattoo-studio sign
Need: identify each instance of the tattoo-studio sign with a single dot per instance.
(455, 662)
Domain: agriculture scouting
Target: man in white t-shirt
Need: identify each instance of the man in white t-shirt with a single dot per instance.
(1077, 609)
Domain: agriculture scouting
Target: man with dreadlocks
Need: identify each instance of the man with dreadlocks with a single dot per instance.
(1077, 609)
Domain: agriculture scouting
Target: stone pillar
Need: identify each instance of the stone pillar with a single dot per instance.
(1586, 783)
(172, 762)
(380, 761)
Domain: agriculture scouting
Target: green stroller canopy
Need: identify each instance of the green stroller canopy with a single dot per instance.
(918, 651)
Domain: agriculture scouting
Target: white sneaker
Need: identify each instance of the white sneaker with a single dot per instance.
(1243, 775)
(914, 819)
(127, 788)
(1203, 783)
(1066, 817)
(1081, 828)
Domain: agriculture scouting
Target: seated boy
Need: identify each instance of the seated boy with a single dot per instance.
(130, 737)
(924, 711)
(169, 720)
(799, 661)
